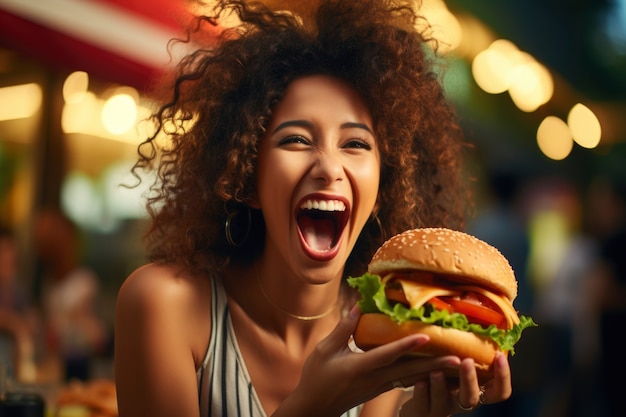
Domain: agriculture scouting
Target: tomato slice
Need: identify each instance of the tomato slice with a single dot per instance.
(477, 313)
(475, 310)
(439, 304)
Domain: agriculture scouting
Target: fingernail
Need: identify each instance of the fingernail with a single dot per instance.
(501, 359)
(354, 313)
(452, 361)
(420, 340)
(436, 376)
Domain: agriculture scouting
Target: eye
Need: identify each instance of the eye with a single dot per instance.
(295, 139)
(358, 144)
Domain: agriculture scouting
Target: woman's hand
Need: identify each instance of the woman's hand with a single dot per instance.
(335, 378)
(435, 396)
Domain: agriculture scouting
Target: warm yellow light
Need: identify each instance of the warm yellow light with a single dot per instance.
(486, 74)
(531, 85)
(491, 68)
(20, 101)
(119, 114)
(545, 80)
(85, 117)
(75, 86)
(585, 126)
(554, 138)
(81, 116)
(502, 66)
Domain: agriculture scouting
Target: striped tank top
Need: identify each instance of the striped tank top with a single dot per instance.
(224, 385)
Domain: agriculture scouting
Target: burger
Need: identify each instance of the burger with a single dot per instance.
(446, 284)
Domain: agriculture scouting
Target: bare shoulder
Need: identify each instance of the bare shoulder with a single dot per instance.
(162, 327)
(154, 283)
(169, 298)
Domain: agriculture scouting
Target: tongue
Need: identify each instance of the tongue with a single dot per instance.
(318, 233)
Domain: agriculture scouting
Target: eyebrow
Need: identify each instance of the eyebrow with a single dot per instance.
(307, 124)
(299, 123)
(356, 125)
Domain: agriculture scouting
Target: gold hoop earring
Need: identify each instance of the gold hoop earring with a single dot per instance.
(229, 225)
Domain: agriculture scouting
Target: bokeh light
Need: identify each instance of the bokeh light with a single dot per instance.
(554, 138)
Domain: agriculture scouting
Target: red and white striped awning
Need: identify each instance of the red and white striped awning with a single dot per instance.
(123, 41)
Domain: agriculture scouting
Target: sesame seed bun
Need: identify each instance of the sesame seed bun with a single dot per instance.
(455, 254)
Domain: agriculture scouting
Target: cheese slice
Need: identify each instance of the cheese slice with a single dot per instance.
(419, 293)
(503, 303)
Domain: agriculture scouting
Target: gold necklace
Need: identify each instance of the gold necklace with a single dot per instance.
(285, 312)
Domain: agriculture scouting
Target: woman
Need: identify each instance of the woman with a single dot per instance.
(313, 138)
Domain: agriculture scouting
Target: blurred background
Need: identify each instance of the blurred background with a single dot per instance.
(540, 87)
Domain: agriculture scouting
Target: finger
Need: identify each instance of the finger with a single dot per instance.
(339, 337)
(407, 373)
(390, 352)
(383, 355)
(439, 394)
(499, 387)
(421, 399)
(469, 390)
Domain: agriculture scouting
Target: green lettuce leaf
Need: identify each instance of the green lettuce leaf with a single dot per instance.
(373, 300)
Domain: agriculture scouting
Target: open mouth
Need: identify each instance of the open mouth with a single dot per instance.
(321, 223)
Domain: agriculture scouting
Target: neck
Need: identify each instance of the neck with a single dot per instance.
(251, 310)
(328, 311)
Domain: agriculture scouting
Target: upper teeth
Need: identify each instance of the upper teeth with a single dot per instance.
(324, 205)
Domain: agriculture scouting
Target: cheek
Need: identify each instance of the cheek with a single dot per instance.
(370, 192)
(275, 178)
(367, 179)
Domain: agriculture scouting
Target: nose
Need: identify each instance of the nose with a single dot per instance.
(327, 167)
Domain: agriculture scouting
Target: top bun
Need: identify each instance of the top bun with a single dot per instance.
(448, 252)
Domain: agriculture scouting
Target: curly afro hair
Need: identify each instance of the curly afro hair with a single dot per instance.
(227, 89)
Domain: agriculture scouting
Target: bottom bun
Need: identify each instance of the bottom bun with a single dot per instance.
(376, 329)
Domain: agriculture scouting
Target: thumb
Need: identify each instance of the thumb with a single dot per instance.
(341, 334)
